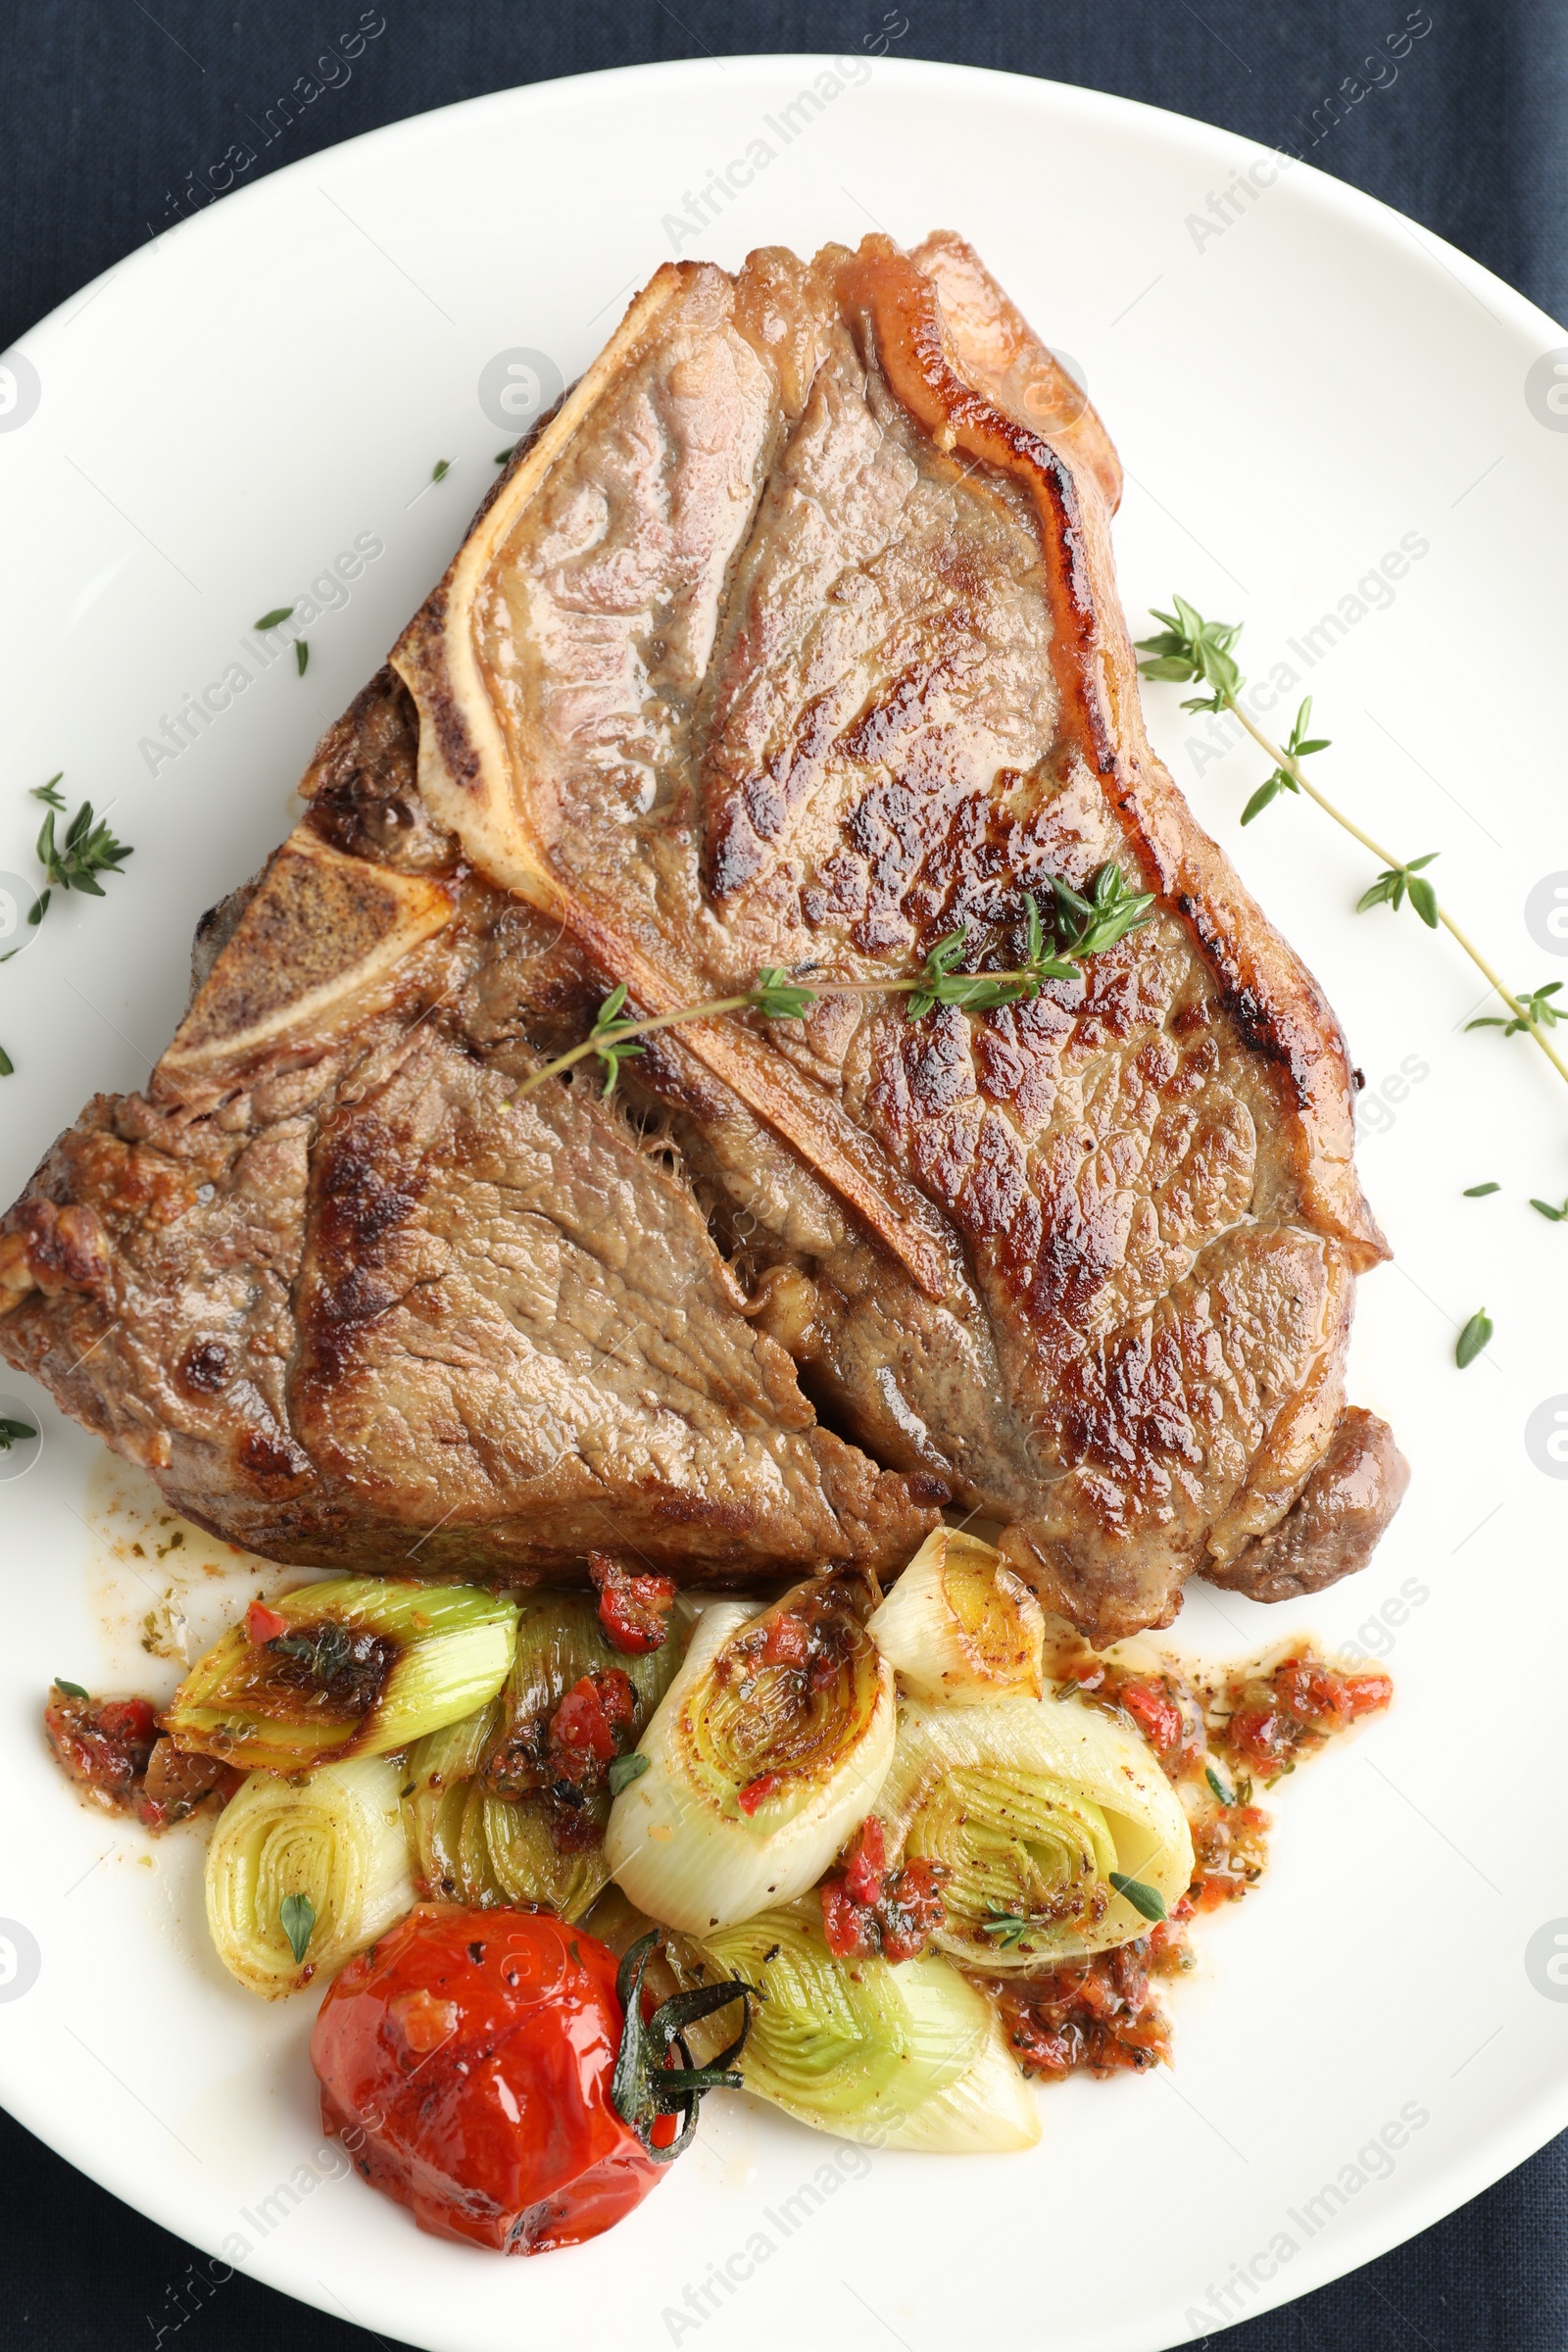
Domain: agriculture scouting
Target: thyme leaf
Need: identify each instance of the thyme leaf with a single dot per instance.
(1391, 886)
(1479, 1191)
(7, 1068)
(14, 1433)
(1474, 1337)
(302, 656)
(780, 997)
(1534, 1011)
(1147, 1900)
(70, 1690)
(610, 1039)
(440, 469)
(1089, 926)
(296, 1915)
(1298, 745)
(1556, 1216)
(1227, 1797)
(274, 620)
(623, 1770)
(1188, 647)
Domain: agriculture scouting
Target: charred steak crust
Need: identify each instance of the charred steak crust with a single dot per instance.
(791, 637)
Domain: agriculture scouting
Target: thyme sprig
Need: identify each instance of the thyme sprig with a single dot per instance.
(88, 849)
(1081, 926)
(75, 859)
(1010, 1928)
(74, 862)
(1190, 649)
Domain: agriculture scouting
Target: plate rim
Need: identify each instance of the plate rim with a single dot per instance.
(1407, 2208)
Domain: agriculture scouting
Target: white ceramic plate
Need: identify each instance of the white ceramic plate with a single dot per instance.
(1298, 395)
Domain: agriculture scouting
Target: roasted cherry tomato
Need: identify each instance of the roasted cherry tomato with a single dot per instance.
(477, 2068)
(634, 1611)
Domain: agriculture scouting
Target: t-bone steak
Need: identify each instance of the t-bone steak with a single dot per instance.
(790, 639)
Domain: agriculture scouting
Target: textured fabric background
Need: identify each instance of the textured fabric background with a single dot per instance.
(108, 108)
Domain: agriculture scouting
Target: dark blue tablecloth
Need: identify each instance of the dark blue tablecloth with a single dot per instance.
(107, 107)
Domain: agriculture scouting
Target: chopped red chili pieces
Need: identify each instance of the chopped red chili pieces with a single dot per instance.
(634, 1611)
(868, 1859)
(586, 1728)
(105, 1744)
(112, 1747)
(263, 1625)
(557, 1761)
(1099, 2013)
(1318, 1695)
(1148, 1701)
(867, 1909)
(1229, 1848)
(787, 1642)
(756, 1792)
(1302, 1703)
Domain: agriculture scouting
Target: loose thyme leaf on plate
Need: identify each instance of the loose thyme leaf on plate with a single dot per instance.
(1555, 1215)
(272, 619)
(1478, 1191)
(14, 1433)
(440, 469)
(1474, 1337)
(70, 1690)
(1147, 1900)
(7, 1068)
(297, 1916)
(502, 457)
(1227, 1797)
(301, 654)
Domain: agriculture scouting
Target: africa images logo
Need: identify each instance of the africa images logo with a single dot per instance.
(1547, 1959)
(20, 390)
(1546, 391)
(20, 1959)
(1546, 1437)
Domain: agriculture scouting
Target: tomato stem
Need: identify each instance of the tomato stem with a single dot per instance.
(644, 2088)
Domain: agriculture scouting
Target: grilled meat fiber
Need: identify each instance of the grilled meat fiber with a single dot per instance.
(791, 639)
